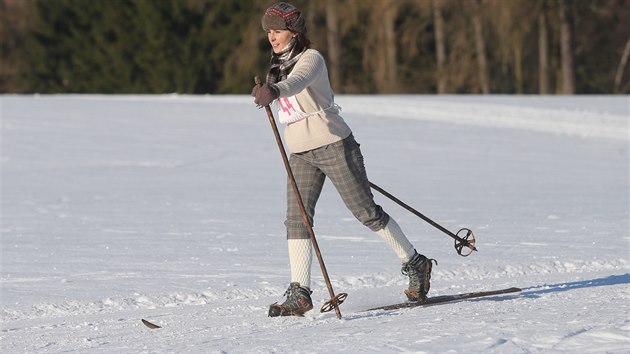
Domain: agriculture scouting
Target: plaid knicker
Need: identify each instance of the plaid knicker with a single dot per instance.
(342, 162)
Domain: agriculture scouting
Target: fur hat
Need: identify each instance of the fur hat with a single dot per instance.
(281, 16)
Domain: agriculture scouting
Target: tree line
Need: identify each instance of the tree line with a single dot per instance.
(371, 46)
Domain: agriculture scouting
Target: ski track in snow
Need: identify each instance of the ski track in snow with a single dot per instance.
(356, 283)
(116, 208)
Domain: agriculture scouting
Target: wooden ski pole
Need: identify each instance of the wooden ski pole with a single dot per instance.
(468, 241)
(334, 301)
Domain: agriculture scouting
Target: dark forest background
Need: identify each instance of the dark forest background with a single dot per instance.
(371, 46)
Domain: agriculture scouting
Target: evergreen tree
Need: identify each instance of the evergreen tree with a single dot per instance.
(133, 46)
(216, 46)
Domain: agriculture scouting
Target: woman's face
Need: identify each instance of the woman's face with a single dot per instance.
(279, 39)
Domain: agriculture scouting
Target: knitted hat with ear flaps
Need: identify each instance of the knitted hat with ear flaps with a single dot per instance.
(281, 16)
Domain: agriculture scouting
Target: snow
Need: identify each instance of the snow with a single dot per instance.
(170, 208)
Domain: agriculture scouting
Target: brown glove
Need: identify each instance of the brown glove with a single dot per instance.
(265, 94)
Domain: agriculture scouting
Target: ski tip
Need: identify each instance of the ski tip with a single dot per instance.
(149, 324)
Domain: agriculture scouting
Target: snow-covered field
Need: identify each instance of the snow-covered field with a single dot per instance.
(170, 208)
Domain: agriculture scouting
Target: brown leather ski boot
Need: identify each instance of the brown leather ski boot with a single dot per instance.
(418, 269)
(297, 303)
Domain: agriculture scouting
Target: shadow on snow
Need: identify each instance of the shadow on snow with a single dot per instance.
(530, 292)
(536, 291)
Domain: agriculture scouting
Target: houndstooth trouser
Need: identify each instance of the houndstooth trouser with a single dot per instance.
(342, 162)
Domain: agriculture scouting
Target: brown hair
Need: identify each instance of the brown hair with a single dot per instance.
(303, 41)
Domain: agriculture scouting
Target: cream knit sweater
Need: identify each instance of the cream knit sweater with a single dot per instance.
(308, 82)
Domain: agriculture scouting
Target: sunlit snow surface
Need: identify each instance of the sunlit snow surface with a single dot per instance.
(171, 208)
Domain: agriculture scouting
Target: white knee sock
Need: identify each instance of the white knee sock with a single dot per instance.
(300, 257)
(396, 239)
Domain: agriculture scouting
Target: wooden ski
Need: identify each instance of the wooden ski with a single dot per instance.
(445, 298)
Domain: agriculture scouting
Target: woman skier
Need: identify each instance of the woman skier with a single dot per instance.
(321, 145)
